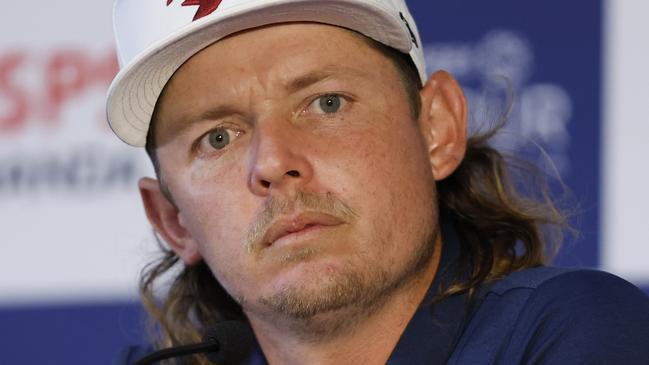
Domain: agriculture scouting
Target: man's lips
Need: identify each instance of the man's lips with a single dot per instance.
(296, 225)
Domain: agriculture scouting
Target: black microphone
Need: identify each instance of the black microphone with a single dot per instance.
(228, 343)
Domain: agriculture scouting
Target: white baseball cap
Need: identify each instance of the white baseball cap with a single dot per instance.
(155, 37)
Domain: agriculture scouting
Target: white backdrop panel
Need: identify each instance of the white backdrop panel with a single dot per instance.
(625, 217)
(72, 226)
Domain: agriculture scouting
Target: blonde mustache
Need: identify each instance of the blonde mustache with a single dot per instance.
(302, 201)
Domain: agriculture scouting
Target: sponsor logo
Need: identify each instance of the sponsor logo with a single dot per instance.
(496, 72)
(205, 7)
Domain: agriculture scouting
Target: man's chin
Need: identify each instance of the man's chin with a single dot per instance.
(313, 288)
(319, 306)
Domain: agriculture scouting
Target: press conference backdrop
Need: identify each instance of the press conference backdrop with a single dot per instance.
(74, 235)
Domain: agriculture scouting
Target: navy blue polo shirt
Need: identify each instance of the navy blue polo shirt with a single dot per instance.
(542, 315)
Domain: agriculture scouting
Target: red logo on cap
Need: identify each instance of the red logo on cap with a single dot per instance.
(205, 7)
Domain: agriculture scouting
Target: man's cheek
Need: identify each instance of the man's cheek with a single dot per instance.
(233, 273)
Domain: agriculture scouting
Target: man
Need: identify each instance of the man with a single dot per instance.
(315, 184)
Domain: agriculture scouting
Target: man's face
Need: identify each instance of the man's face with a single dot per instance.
(299, 174)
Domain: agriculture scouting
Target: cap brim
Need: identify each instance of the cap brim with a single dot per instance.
(135, 90)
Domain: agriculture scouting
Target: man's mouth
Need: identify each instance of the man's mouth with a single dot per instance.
(291, 228)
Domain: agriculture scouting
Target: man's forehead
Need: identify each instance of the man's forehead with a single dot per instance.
(304, 53)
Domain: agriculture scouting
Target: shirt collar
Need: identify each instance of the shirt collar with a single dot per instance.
(431, 334)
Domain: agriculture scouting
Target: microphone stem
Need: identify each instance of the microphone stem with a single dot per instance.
(208, 346)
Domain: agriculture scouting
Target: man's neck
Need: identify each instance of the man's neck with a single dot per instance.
(368, 340)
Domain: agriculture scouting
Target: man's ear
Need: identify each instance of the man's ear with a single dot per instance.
(443, 120)
(165, 218)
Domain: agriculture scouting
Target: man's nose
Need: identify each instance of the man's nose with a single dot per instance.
(279, 159)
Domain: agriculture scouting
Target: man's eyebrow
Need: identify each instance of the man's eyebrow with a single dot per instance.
(314, 77)
(217, 112)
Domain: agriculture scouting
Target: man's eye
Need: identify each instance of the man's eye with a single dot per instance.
(327, 104)
(219, 138)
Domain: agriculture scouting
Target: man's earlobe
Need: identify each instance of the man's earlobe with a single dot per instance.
(443, 120)
(165, 218)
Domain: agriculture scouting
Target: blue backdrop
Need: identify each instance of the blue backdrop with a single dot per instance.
(549, 50)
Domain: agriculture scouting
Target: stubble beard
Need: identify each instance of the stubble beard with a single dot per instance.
(333, 304)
